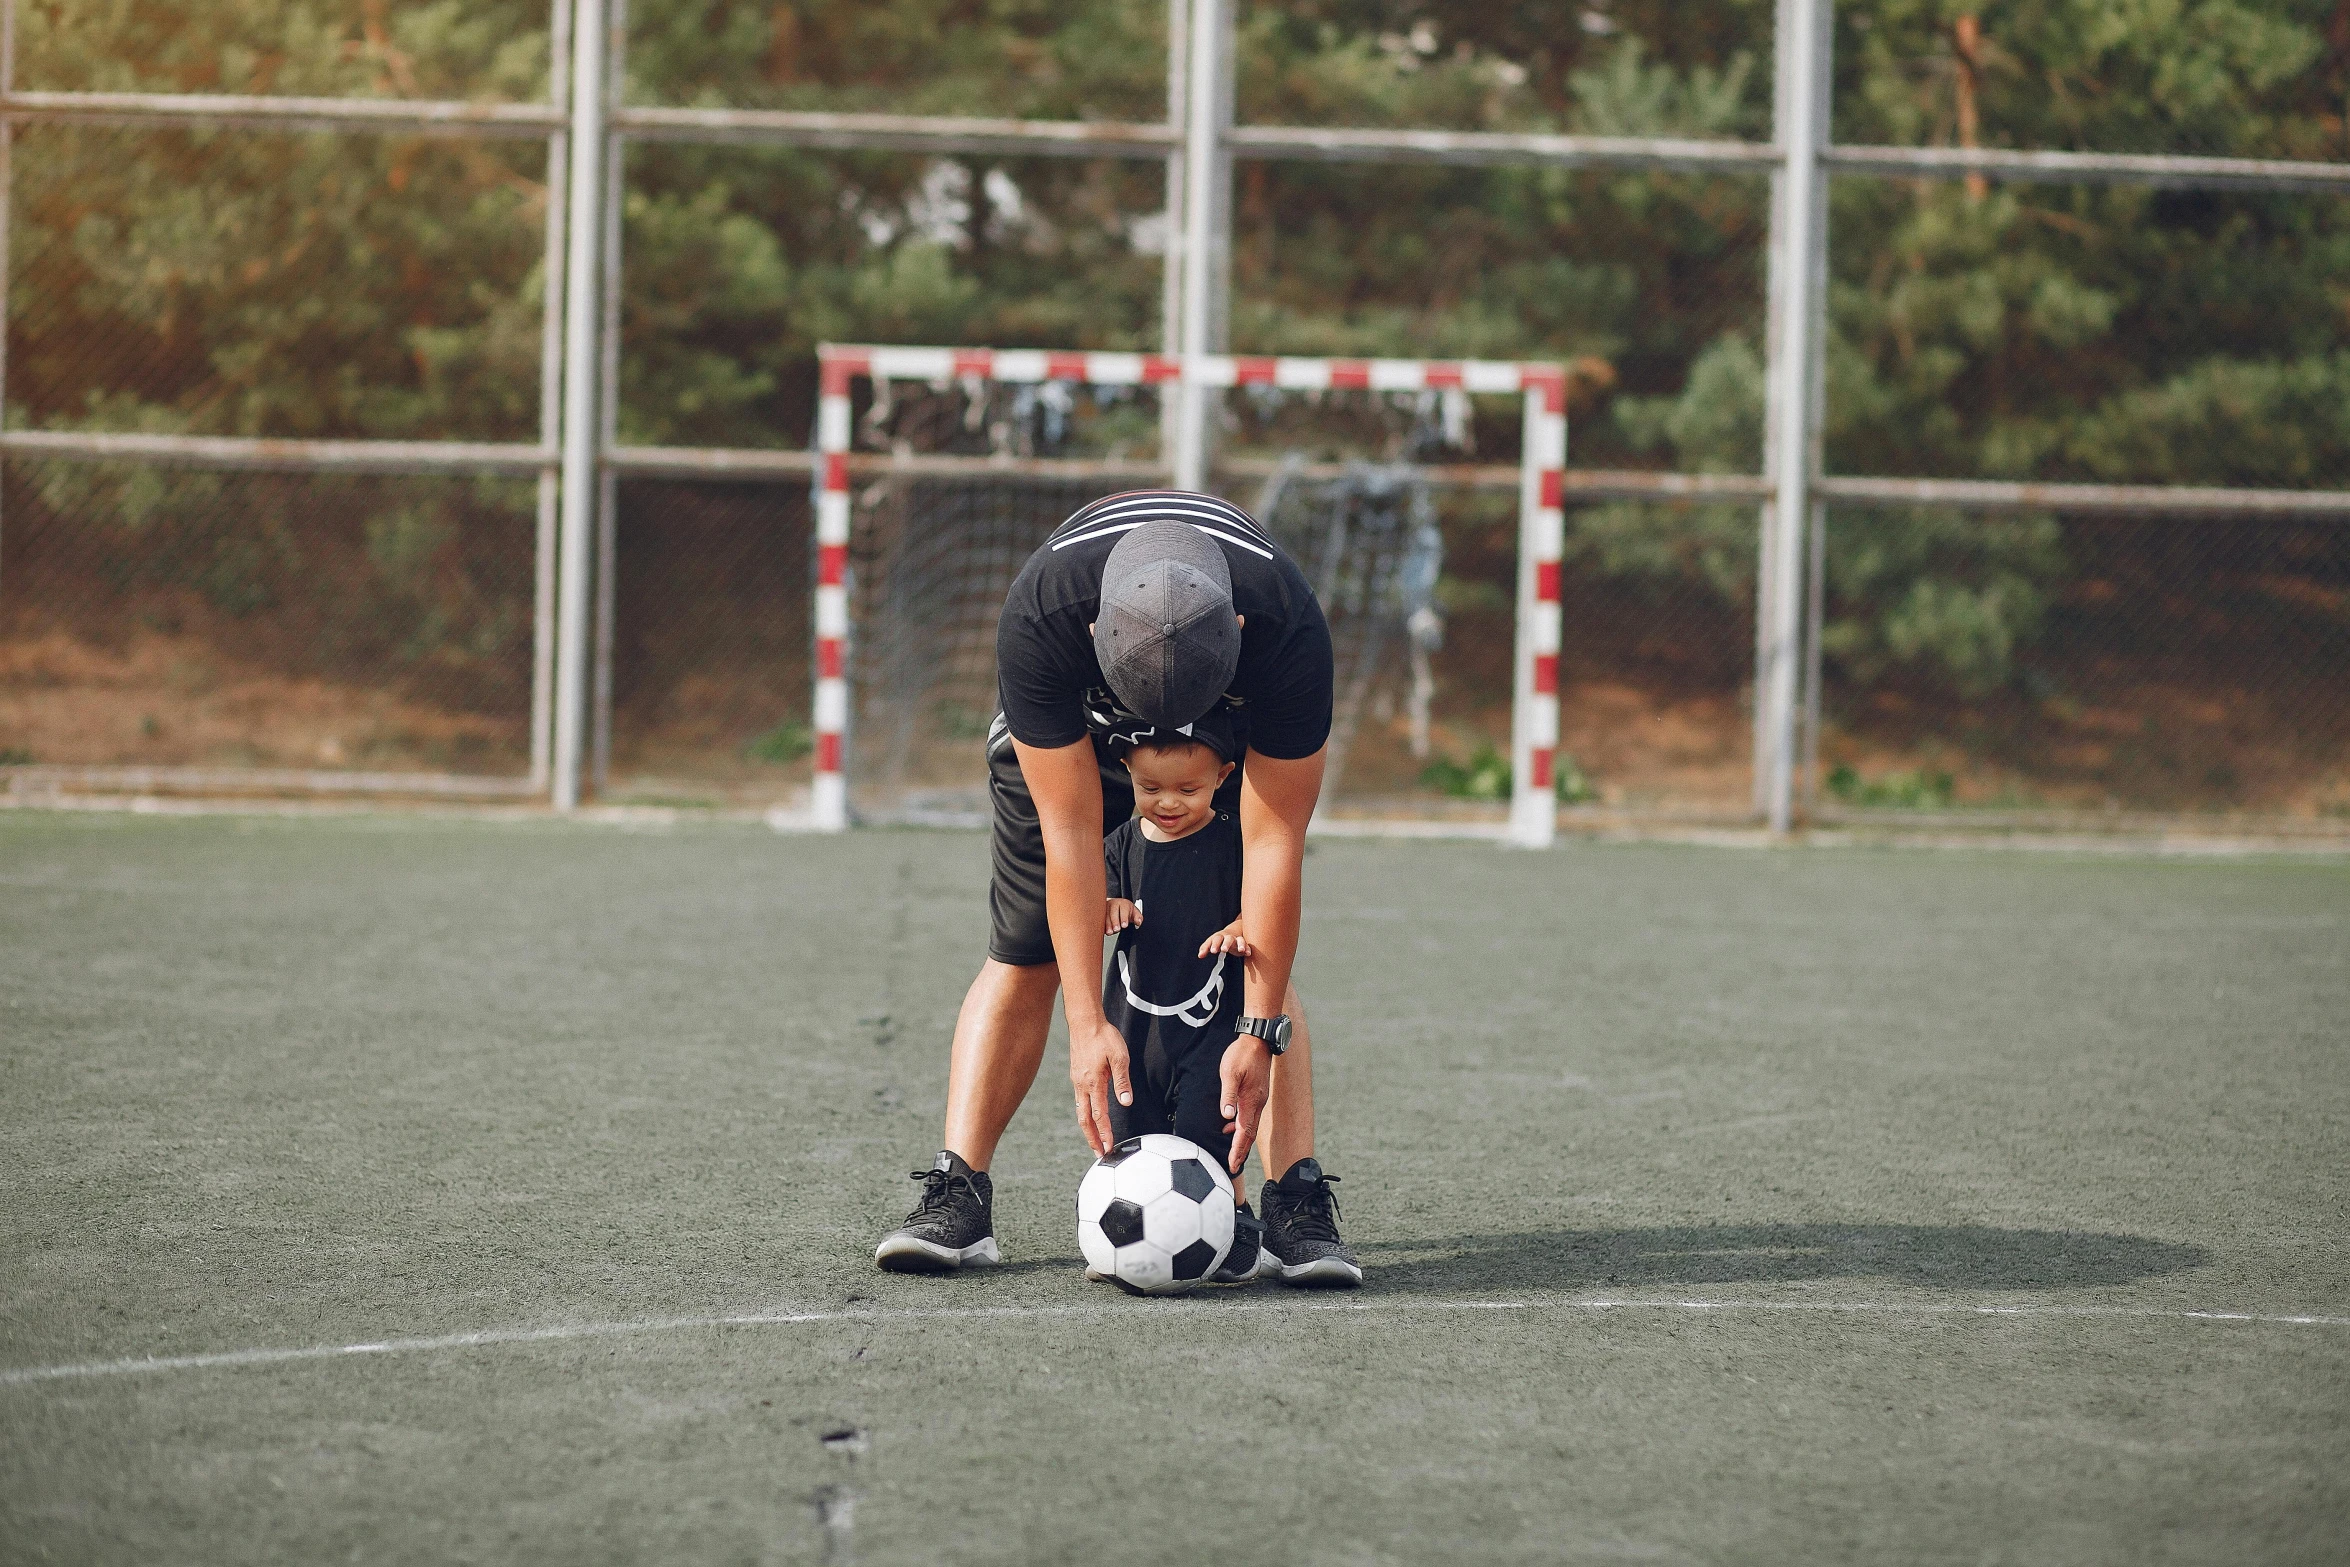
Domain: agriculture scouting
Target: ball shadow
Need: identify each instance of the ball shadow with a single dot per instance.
(1954, 1257)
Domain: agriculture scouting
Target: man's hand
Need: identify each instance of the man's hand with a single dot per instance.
(1098, 1068)
(1122, 913)
(1244, 1080)
(1229, 939)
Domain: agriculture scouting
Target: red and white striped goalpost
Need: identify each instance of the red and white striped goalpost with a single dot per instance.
(1534, 725)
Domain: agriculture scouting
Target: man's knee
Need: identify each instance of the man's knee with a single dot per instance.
(1030, 979)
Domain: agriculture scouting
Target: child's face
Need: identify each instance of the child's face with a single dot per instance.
(1176, 790)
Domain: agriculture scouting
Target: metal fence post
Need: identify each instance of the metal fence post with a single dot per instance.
(1207, 226)
(1799, 273)
(1815, 615)
(7, 186)
(581, 308)
(608, 411)
(1171, 268)
(1766, 515)
(542, 610)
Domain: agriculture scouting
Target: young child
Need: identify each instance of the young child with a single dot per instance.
(1174, 984)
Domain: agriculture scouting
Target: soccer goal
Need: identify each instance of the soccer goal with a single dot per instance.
(940, 469)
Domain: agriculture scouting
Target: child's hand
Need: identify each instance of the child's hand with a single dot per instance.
(1229, 939)
(1121, 913)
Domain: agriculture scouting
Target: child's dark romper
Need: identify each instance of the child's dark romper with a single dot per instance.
(1178, 1010)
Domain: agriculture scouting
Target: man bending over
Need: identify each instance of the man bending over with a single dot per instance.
(1140, 613)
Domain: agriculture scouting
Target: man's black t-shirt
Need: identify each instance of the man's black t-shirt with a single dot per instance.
(1045, 664)
(1159, 992)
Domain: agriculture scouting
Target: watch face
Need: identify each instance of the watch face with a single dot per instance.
(1281, 1032)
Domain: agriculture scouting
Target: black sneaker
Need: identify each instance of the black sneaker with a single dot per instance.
(1247, 1256)
(1301, 1231)
(952, 1225)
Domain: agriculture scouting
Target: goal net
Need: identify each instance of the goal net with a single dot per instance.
(941, 470)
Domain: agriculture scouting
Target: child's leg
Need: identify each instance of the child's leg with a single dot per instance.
(1197, 1097)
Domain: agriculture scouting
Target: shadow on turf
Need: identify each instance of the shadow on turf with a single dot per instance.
(1956, 1257)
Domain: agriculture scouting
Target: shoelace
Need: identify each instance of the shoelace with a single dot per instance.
(1317, 1215)
(937, 1189)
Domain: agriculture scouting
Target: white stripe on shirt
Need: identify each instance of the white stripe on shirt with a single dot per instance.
(1176, 501)
(1129, 527)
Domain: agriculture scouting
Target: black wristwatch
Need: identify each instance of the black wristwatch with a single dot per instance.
(1274, 1031)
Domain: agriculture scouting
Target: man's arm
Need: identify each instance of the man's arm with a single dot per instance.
(1066, 784)
(1276, 801)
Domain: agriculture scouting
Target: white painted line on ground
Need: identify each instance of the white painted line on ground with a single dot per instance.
(489, 1337)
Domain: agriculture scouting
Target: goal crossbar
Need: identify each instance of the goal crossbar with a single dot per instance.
(1534, 723)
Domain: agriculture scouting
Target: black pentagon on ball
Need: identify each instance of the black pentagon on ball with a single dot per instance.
(1122, 1222)
(1191, 1178)
(1194, 1261)
(1117, 1155)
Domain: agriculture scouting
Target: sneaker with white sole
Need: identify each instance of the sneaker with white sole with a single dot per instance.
(1301, 1231)
(952, 1225)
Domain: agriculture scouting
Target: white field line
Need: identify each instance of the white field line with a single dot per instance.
(489, 1337)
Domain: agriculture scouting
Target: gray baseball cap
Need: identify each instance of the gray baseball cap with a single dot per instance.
(1166, 634)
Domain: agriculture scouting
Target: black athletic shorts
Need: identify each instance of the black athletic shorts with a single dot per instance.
(1018, 934)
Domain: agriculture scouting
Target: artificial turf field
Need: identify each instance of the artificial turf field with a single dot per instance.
(1904, 1171)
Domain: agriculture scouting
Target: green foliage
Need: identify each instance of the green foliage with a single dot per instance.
(786, 742)
(1568, 781)
(1923, 790)
(1713, 425)
(1938, 592)
(233, 282)
(1486, 775)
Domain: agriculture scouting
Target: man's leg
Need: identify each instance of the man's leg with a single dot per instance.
(999, 1043)
(1286, 1134)
(1000, 1033)
(1299, 1211)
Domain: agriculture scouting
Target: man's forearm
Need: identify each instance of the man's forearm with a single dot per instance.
(1277, 800)
(1269, 908)
(1075, 886)
(1065, 782)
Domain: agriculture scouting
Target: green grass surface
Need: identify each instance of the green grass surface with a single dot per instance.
(287, 1083)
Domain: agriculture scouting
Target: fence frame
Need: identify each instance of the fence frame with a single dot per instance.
(577, 456)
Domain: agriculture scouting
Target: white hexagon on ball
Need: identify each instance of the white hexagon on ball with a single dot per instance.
(1142, 1175)
(1171, 1220)
(1095, 1191)
(1145, 1269)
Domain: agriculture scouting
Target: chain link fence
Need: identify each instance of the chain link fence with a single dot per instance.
(264, 623)
(708, 674)
(255, 280)
(2046, 664)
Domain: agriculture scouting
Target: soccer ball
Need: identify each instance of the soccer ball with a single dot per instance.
(1155, 1217)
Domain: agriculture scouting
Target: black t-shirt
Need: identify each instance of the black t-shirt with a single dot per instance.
(1159, 990)
(1045, 663)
